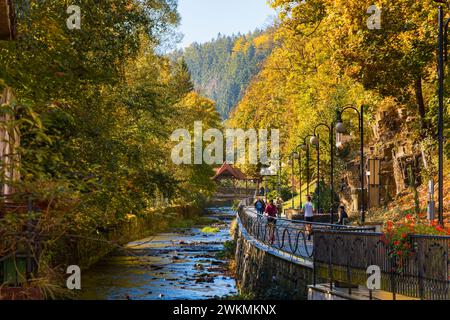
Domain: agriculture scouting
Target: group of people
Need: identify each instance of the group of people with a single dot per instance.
(274, 209)
(261, 206)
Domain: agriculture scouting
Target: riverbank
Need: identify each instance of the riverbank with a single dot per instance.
(86, 249)
(187, 262)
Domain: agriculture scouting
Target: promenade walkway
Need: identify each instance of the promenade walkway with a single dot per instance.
(291, 237)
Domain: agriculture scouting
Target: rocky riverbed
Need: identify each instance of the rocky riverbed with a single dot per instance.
(180, 265)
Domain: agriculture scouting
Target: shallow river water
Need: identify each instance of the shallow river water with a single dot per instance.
(180, 265)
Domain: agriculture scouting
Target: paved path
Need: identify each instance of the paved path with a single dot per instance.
(290, 237)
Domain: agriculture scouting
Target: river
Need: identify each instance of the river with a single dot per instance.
(179, 265)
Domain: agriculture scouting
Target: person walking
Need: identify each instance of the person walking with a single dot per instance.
(308, 210)
(271, 212)
(343, 216)
(279, 206)
(261, 191)
(260, 206)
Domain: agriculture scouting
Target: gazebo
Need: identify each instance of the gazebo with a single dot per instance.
(7, 25)
(228, 172)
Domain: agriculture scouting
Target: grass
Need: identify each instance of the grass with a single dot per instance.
(228, 252)
(404, 204)
(210, 229)
(288, 203)
(241, 297)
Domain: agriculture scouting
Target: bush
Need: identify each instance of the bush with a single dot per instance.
(397, 235)
(325, 198)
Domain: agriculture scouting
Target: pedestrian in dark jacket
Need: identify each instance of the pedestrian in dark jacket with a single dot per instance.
(260, 206)
(342, 215)
(261, 191)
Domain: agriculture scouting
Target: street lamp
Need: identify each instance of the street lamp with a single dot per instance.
(294, 156)
(267, 171)
(442, 44)
(340, 130)
(305, 147)
(279, 173)
(315, 141)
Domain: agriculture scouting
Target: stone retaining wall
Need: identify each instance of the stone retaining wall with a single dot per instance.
(266, 274)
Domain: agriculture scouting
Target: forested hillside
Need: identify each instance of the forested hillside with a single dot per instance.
(222, 68)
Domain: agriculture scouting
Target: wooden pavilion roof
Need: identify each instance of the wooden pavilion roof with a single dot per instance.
(227, 171)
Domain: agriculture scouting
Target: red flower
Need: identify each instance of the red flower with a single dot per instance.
(439, 228)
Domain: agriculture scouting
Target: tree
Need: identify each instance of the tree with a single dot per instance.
(394, 60)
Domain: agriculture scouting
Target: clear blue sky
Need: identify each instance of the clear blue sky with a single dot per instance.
(202, 20)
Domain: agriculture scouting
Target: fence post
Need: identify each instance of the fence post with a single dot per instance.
(29, 240)
(314, 263)
(349, 278)
(330, 268)
(393, 277)
(418, 246)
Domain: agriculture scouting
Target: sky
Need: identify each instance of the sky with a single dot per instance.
(203, 20)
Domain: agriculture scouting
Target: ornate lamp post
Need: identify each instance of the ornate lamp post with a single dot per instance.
(280, 172)
(316, 141)
(294, 156)
(442, 56)
(266, 172)
(305, 147)
(340, 129)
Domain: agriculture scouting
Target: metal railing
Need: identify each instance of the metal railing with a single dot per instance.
(292, 237)
(237, 190)
(342, 254)
(345, 256)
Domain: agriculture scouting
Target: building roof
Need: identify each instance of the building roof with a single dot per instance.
(227, 171)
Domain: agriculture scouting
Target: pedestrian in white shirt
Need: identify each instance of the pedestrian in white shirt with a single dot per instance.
(308, 210)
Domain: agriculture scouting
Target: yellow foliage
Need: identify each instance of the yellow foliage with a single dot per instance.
(262, 42)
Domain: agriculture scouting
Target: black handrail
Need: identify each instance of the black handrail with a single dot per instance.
(423, 273)
(343, 254)
(295, 239)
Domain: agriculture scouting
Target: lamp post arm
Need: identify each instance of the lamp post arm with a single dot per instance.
(360, 114)
(308, 177)
(321, 125)
(350, 107)
(308, 136)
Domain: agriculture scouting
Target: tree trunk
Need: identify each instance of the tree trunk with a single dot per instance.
(419, 101)
(7, 25)
(9, 144)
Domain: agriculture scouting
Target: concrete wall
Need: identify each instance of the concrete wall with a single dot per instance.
(266, 273)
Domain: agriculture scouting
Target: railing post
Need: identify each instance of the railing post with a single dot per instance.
(393, 278)
(29, 227)
(418, 246)
(330, 268)
(349, 278)
(314, 265)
